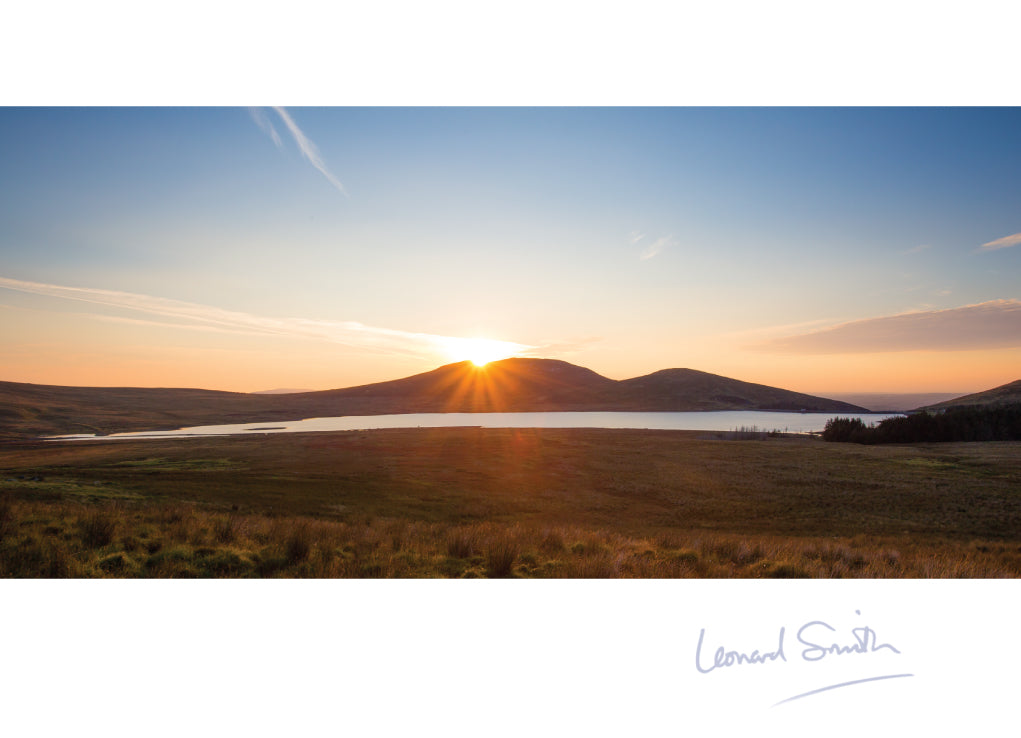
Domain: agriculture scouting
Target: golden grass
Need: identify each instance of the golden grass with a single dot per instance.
(508, 503)
(60, 539)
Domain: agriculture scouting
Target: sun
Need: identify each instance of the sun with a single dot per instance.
(481, 351)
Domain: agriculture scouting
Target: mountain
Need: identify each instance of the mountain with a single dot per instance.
(511, 385)
(537, 385)
(688, 389)
(1006, 394)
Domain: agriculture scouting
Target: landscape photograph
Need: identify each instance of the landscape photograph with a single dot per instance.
(495, 342)
(533, 369)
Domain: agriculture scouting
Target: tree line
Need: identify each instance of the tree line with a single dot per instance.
(966, 423)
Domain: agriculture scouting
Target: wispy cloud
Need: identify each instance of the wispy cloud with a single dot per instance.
(917, 249)
(987, 325)
(305, 146)
(1002, 243)
(165, 324)
(264, 123)
(205, 318)
(655, 248)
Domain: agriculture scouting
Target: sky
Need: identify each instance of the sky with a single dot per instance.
(823, 250)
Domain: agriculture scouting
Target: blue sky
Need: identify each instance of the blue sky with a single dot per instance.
(732, 240)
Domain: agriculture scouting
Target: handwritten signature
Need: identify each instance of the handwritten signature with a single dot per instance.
(865, 641)
(819, 640)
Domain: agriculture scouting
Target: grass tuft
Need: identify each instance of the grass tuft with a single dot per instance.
(462, 543)
(97, 529)
(299, 543)
(501, 554)
(225, 529)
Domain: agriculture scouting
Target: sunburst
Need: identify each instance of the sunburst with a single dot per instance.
(481, 351)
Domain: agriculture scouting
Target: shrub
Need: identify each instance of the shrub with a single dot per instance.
(845, 429)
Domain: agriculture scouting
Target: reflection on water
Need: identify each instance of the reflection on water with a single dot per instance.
(724, 420)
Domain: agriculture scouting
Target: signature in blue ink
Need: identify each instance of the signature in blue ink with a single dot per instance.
(865, 642)
(819, 640)
(723, 657)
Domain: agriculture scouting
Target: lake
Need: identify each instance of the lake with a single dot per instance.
(723, 420)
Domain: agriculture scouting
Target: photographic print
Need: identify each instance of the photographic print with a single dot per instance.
(546, 369)
(510, 342)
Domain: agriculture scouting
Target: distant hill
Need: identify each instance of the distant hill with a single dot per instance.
(1007, 394)
(688, 389)
(511, 385)
(898, 402)
(38, 409)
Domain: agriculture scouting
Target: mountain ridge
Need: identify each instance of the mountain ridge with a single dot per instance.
(509, 385)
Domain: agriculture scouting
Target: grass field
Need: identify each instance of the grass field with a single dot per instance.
(463, 502)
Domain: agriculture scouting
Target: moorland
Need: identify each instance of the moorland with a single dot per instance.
(471, 502)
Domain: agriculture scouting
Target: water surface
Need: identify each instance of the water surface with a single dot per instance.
(722, 420)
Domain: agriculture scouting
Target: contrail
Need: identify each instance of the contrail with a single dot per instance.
(308, 149)
(263, 122)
